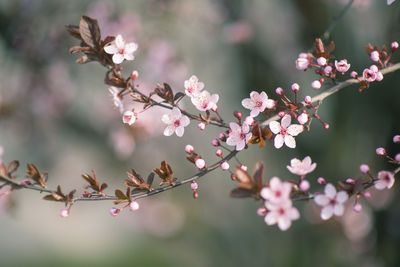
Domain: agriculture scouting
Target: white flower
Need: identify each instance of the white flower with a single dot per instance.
(204, 101)
(114, 91)
(285, 132)
(277, 191)
(257, 103)
(129, 117)
(389, 2)
(120, 50)
(239, 135)
(342, 65)
(301, 167)
(176, 122)
(193, 86)
(385, 180)
(282, 214)
(331, 202)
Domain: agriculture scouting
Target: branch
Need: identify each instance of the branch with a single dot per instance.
(336, 89)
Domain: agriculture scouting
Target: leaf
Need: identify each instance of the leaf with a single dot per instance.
(35, 175)
(241, 193)
(135, 180)
(80, 49)
(83, 60)
(165, 172)
(258, 170)
(120, 195)
(150, 178)
(364, 85)
(12, 167)
(319, 46)
(74, 31)
(90, 31)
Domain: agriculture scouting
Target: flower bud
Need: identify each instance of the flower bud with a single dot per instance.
(201, 126)
(381, 151)
(295, 87)
(321, 180)
(350, 181)
(200, 163)
(189, 149)
(222, 137)
(279, 91)
(114, 211)
(316, 85)
(304, 185)
(215, 142)
(357, 207)
(364, 168)
(374, 68)
(225, 165)
(308, 99)
(394, 46)
(219, 153)
(367, 194)
(321, 61)
(262, 211)
(328, 70)
(237, 114)
(86, 194)
(303, 118)
(134, 75)
(194, 186)
(397, 157)
(326, 126)
(374, 56)
(281, 114)
(354, 74)
(133, 206)
(379, 76)
(243, 167)
(64, 213)
(396, 139)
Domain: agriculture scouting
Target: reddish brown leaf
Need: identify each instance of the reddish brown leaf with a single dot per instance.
(74, 31)
(34, 174)
(90, 31)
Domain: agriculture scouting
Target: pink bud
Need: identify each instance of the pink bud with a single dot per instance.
(225, 165)
(308, 99)
(295, 87)
(397, 157)
(249, 120)
(381, 151)
(321, 180)
(219, 152)
(200, 163)
(350, 181)
(201, 126)
(281, 114)
(215, 142)
(222, 137)
(86, 194)
(279, 91)
(326, 126)
(354, 74)
(237, 115)
(194, 186)
(114, 211)
(134, 75)
(379, 76)
(357, 207)
(394, 46)
(316, 85)
(364, 168)
(262, 211)
(321, 61)
(367, 194)
(304, 185)
(328, 70)
(64, 213)
(374, 68)
(303, 118)
(25, 182)
(374, 56)
(189, 149)
(243, 167)
(396, 139)
(133, 206)
(195, 194)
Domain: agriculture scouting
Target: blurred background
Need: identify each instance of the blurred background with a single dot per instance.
(59, 116)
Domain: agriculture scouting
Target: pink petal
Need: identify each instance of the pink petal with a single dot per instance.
(326, 212)
(169, 130)
(179, 131)
(235, 127)
(289, 141)
(166, 119)
(245, 128)
(185, 121)
(330, 191)
(111, 49)
(285, 122)
(338, 210)
(275, 127)
(293, 213)
(265, 193)
(295, 129)
(380, 185)
(307, 161)
(248, 103)
(254, 96)
(130, 48)
(275, 183)
(263, 96)
(342, 196)
(240, 145)
(270, 103)
(118, 58)
(278, 141)
(284, 223)
(254, 112)
(176, 113)
(321, 200)
(231, 141)
(129, 56)
(119, 42)
(271, 218)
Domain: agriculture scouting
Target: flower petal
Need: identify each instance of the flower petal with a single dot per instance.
(278, 141)
(284, 223)
(179, 131)
(295, 129)
(275, 127)
(130, 48)
(254, 112)
(240, 145)
(185, 120)
(119, 42)
(271, 218)
(338, 209)
(169, 130)
(248, 103)
(285, 122)
(321, 200)
(129, 56)
(341, 197)
(166, 118)
(327, 212)
(330, 191)
(118, 58)
(289, 141)
(111, 49)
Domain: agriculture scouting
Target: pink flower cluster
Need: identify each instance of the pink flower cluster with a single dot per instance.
(285, 132)
(202, 100)
(372, 74)
(332, 202)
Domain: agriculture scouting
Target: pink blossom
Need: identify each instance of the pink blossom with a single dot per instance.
(200, 163)
(120, 50)
(303, 118)
(64, 213)
(303, 61)
(321, 61)
(219, 152)
(308, 99)
(205, 101)
(282, 213)
(193, 86)
(201, 126)
(189, 149)
(342, 65)
(394, 46)
(176, 122)
(357, 207)
(194, 186)
(316, 84)
(385, 180)
(285, 132)
(331, 202)
(301, 167)
(304, 185)
(257, 103)
(114, 211)
(364, 168)
(114, 91)
(238, 135)
(321, 180)
(396, 139)
(354, 74)
(129, 117)
(133, 206)
(397, 157)
(374, 56)
(328, 70)
(277, 191)
(379, 76)
(369, 75)
(295, 87)
(225, 166)
(279, 91)
(380, 151)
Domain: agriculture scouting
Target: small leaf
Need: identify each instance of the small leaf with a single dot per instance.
(241, 193)
(35, 175)
(12, 167)
(79, 49)
(120, 195)
(74, 31)
(258, 170)
(90, 31)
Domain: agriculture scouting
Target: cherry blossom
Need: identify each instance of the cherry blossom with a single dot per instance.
(385, 180)
(121, 50)
(285, 132)
(277, 191)
(193, 86)
(134, 205)
(129, 117)
(257, 103)
(389, 2)
(176, 122)
(238, 135)
(332, 202)
(205, 101)
(282, 214)
(301, 167)
(303, 61)
(342, 65)
(114, 91)
(64, 213)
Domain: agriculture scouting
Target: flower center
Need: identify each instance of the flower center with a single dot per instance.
(281, 211)
(242, 136)
(283, 131)
(278, 193)
(121, 51)
(332, 202)
(177, 123)
(259, 104)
